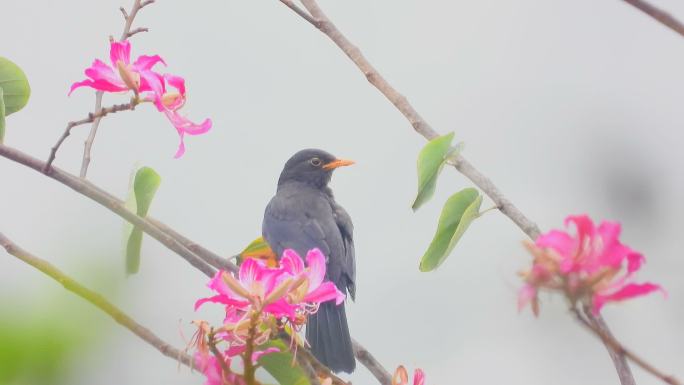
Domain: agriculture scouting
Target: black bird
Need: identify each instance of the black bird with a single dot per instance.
(301, 216)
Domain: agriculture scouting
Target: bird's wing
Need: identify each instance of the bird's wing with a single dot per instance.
(346, 228)
(302, 220)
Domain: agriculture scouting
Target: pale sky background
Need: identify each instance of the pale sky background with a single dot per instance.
(569, 106)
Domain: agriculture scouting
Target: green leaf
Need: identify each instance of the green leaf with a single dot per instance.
(280, 365)
(145, 186)
(430, 163)
(458, 212)
(2, 116)
(15, 85)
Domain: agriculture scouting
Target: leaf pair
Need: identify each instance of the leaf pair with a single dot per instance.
(458, 212)
(14, 91)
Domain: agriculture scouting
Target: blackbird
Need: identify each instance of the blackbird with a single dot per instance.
(303, 215)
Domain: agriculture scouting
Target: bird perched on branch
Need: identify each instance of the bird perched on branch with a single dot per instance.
(301, 216)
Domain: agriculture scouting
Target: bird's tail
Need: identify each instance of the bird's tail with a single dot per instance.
(328, 335)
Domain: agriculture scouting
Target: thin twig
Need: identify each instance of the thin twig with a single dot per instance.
(211, 342)
(92, 118)
(596, 327)
(658, 14)
(137, 30)
(88, 145)
(109, 201)
(97, 300)
(290, 4)
(85, 162)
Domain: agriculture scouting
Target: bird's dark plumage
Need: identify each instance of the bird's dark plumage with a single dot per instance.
(304, 215)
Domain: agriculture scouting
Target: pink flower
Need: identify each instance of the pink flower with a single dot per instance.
(210, 366)
(312, 289)
(401, 376)
(591, 266)
(256, 286)
(170, 103)
(121, 75)
(139, 77)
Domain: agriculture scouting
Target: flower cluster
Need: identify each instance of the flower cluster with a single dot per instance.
(400, 376)
(591, 267)
(146, 84)
(260, 301)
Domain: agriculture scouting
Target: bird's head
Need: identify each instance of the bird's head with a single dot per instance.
(311, 166)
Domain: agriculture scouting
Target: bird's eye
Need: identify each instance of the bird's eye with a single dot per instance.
(315, 162)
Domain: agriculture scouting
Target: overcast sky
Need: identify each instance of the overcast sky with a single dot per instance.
(568, 106)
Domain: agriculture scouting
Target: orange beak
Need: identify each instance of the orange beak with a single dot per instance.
(337, 163)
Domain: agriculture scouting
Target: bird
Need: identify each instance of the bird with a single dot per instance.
(304, 215)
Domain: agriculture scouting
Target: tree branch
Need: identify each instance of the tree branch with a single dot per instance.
(658, 14)
(598, 327)
(97, 300)
(92, 118)
(112, 203)
(326, 26)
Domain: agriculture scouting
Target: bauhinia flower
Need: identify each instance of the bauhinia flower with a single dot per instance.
(139, 77)
(121, 75)
(256, 287)
(401, 376)
(591, 267)
(259, 301)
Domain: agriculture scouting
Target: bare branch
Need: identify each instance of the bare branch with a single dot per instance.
(92, 118)
(87, 148)
(658, 14)
(290, 4)
(112, 203)
(373, 365)
(598, 327)
(137, 30)
(97, 300)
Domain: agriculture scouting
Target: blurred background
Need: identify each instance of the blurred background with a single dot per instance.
(569, 106)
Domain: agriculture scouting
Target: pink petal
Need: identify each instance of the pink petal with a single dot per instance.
(323, 293)
(120, 51)
(525, 295)
(609, 232)
(181, 149)
(185, 126)
(418, 377)
(144, 62)
(222, 299)
(315, 261)
(628, 291)
(634, 262)
(249, 272)
(176, 82)
(291, 262)
(281, 308)
(559, 241)
(584, 226)
(154, 82)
